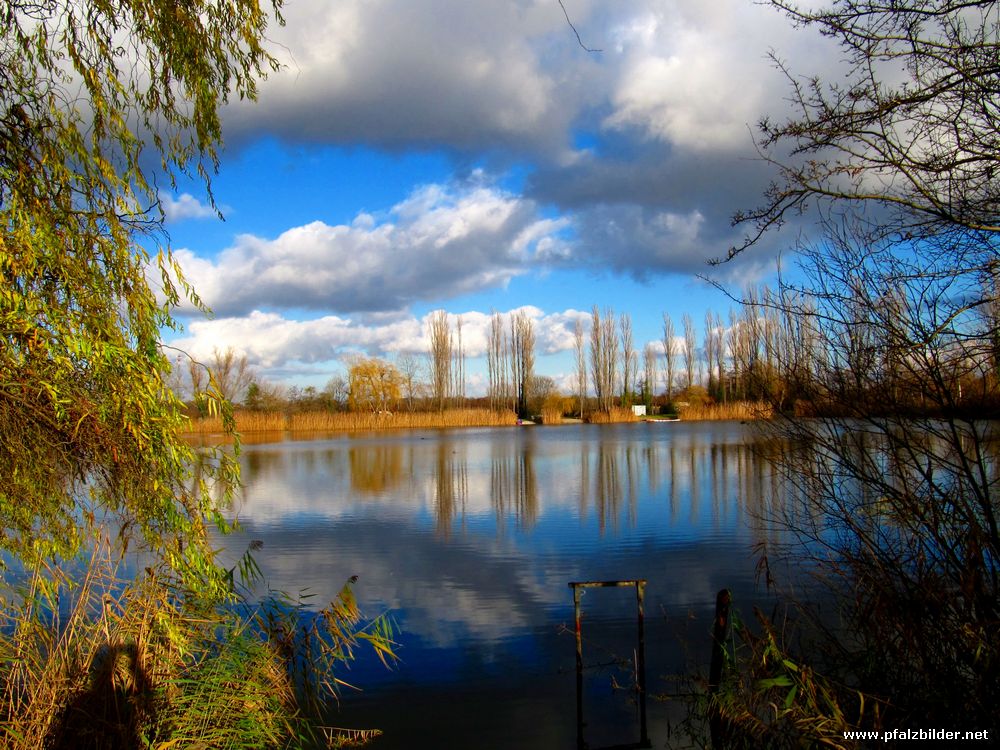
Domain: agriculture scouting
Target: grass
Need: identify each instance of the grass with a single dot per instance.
(742, 410)
(257, 422)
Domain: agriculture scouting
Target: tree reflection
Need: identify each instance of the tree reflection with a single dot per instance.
(684, 479)
(451, 487)
(513, 484)
(376, 468)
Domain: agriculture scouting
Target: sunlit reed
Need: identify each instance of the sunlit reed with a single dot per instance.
(552, 416)
(741, 410)
(615, 414)
(252, 422)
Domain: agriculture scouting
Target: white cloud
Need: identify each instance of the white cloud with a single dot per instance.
(185, 206)
(469, 75)
(697, 76)
(272, 341)
(509, 75)
(440, 242)
(276, 343)
(658, 122)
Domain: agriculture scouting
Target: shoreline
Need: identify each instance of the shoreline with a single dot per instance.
(257, 423)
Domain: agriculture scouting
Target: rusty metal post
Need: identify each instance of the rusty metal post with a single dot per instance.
(579, 668)
(640, 666)
(640, 656)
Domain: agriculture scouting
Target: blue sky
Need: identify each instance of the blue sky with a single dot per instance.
(415, 155)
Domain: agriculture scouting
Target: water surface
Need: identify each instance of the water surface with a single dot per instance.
(469, 538)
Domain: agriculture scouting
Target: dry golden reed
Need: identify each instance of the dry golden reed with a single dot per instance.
(616, 414)
(253, 422)
(742, 410)
(552, 416)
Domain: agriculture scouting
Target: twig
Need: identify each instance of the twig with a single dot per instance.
(578, 39)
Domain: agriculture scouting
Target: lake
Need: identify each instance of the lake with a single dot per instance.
(469, 538)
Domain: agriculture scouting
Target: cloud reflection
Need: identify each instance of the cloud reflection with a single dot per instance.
(473, 535)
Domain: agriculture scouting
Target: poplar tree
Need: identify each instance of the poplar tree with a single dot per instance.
(629, 357)
(603, 356)
(689, 352)
(522, 357)
(648, 375)
(496, 362)
(580, 354)
(441, 357)
(669, 355)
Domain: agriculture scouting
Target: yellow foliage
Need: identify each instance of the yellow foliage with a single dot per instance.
(375, 385)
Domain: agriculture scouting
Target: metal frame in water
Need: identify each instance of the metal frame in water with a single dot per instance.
(640, 666)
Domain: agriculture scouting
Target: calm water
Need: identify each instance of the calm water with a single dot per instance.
(468, 539)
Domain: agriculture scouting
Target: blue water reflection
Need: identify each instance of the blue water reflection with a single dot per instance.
(469, 538)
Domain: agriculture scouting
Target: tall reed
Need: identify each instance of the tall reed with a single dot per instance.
(767, 697)
(552, 416)
(250, 422)
(615, 414)
(101, 661)
(742, 410)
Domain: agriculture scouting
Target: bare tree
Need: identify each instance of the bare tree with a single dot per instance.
(498, 364)
(597, 356)
(198, 375)
(458, 365)
(669, 355)
(522, 350)
(603, 356)
(903, 505)
(710, 350)
(689, 352)
(338, 390)
(493, 358)
(648, 375)
(911, 130)
(720, 356)
(579, 350)
(409, 371)
(750, 347)
(230, 373)
(441, 356)
(629, 358)
(899, 508)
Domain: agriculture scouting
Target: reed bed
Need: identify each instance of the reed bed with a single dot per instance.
(551, 416)
(616, 414)
(248, 422)
(130, 664)
(742, 410)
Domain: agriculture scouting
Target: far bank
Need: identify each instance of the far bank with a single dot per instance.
(248, 421)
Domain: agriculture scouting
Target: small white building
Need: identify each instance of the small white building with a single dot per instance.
(639, 410)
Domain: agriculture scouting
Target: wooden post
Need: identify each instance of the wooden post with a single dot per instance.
(720, 632)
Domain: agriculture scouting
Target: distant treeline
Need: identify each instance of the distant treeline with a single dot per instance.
(775, 348)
